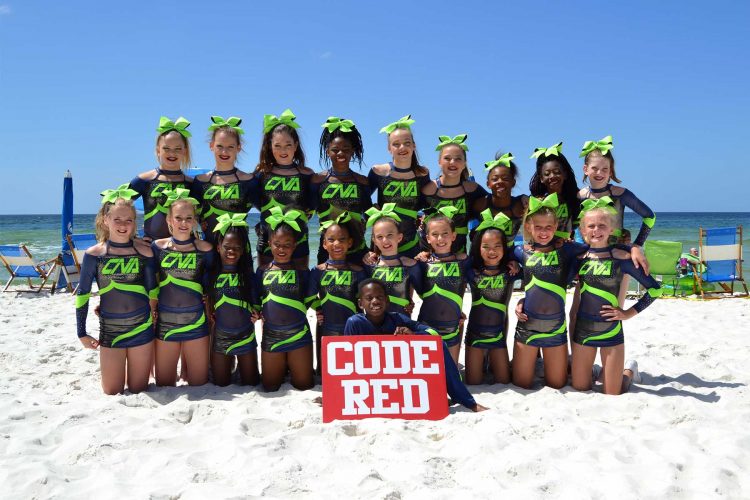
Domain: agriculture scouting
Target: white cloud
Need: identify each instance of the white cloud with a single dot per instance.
(326, 55)
(4, 10)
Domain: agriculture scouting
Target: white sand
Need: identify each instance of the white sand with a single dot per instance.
(683, 433)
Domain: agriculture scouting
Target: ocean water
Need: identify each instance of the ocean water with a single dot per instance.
(42, 234)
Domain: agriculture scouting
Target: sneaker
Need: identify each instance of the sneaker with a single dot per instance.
(632, 365)
(596, 372)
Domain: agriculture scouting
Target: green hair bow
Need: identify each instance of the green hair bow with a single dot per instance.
(123, 191)
(231, 122)
(535, 203)
(225, 221)
(179, 194)
(180, 125)
(602, 145)
(388, 210)
(499, 221)
(554, 150)
(334, 123)
(605, 202)
(459, 140)
(343, 218)
(278, 216)
(404, 122)
(503, 160)
(287, 118)
(446, 211)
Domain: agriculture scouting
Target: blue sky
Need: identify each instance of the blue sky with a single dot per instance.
(82, 86)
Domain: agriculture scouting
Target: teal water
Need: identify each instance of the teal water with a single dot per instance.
(41, 233)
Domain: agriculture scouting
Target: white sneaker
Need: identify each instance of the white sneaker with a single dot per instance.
(632, 365)
(596, 372)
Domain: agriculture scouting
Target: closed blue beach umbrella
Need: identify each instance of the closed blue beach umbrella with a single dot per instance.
(66, 226)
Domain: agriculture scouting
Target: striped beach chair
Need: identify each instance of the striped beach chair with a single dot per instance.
(721, 253)
(78, 244)
(21, 264)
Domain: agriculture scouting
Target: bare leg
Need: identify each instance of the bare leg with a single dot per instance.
(112, 363)
(524, 362)
(500, 365)
(196, 359)
(456, 349)
(273, 369)
(248, 366)
(221, 368)
(583, 362)
(301, 367)
(139, 363)
(613, 362)
(556, 366)
(167, 354)
(574, 313)
(474, 365)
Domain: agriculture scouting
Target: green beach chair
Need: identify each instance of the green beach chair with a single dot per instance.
(663, 257)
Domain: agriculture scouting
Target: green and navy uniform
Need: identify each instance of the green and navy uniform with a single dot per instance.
(463, 202)
(126, 282)
(490, 294)
(234, 330)
(360, 325)
(284, 300)
(336, 295)
(545, 276)
(407, 195)
(235, 197)
(154, 193)
(631, 201)
(182, 277)
(331, 199)
(277, 190)
(399, 280)
(515, 207)
(442, 291)
(600, 280)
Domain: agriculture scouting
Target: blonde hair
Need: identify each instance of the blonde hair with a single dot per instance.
(100, 225)
(610, 218)
(608, 156)
(546, 211)
(186, 158)
(170, 215)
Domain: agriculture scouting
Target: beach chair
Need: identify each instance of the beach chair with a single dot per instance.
(78, 244)
(21, 264)
(663, 257)
(721, 253)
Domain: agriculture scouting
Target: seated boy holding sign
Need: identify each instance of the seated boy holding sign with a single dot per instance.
(373, 300)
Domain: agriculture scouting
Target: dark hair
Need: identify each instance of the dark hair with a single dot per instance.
(513, 167)
(353, 137)
(284, 228)
(353, 228)
(465, 171)
(267, 161)
(244, 266)
(569, 192)
(373, 247)
(371, 281)
(608, 155)
(476, 243)
(418, 169)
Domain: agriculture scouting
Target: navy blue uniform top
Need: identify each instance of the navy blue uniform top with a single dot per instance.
(627, 199)
(336, 292)
(360, 325)
(154, 193)
(489, 298)
(399, 280)
(183, 276)
(231, 312)
(283, 296)
(236, 196)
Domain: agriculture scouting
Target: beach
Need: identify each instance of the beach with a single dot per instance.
(681, 433)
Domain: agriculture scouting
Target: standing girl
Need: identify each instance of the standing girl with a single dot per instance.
(452, 188)
(173, 154)
(491, 286)
(124, 272)
(400, 275)
(554, 175)
(501, 179)
(284, 299)
(549, 264)
(182, 265)
(599, 318)
(224, 190)
(401, 180)
(231, 299)
(444, 280)
(339, 189)
(334, 283)
(283, 180)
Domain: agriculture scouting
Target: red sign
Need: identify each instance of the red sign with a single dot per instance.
(383, 376)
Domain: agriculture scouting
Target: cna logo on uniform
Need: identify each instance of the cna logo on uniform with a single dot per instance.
(460, 204)
(339, 190)
(389, 274)
(227, 192)
(164, 188)
(179, 260)
(227, 280)
(281, 276)
(123, 265)
(447, 269)
(596, 268)
(285, 183)
(336, 277)
(492, 282)
(543, 259)
(402, 189)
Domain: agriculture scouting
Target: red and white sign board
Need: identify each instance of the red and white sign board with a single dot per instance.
(383, 376)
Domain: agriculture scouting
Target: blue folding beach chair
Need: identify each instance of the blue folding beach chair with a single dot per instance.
(78, 244)
(721, 253)
(20, 264)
